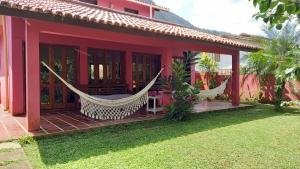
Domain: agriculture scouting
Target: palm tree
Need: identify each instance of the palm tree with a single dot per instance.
(281, 58)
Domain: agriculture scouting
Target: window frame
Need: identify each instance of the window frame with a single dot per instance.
(109, 69)
(132, 11)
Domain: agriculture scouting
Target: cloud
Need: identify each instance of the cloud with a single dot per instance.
(233, 16)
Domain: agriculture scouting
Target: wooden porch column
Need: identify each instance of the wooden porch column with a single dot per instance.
(166, 63)
(128, 72)
(32, 61)
(235, 79)
(83, 65)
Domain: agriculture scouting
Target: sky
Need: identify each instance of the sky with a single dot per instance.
(234, 16)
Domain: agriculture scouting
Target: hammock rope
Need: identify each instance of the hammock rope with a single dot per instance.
(104, 109)
(212, 93)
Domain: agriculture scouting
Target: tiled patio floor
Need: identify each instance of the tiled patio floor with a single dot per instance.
(11, 127)
(69, 121)
(205, 106)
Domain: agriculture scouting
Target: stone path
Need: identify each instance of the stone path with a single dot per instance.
(12, 156)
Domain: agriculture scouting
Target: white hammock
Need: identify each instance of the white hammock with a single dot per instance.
(103, 109)
(212, 93)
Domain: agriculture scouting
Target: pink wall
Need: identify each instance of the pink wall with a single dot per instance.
(2, 74)
(16, 66)
(250, 87)
(121, 4)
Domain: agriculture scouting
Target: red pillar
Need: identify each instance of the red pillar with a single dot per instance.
(166, 63)
(32, 77)
(83, 65)
(128, 61)
(235, 79)
(16, 66)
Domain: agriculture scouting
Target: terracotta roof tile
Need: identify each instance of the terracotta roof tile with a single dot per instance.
(92, 13)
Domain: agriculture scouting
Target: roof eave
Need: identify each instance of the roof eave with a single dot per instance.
(84, 23)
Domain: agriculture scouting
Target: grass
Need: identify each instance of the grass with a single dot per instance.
(252, 138)
(6, 163)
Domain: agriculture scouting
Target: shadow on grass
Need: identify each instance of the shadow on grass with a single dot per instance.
(63, 149)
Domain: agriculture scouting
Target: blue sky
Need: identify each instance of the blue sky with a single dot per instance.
(234, 16)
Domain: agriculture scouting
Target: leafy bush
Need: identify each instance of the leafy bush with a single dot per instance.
(182, 96)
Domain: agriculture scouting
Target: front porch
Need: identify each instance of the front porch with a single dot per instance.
(95, 61)
(62, 122)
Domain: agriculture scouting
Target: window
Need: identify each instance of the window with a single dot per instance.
(133, 11)
(145, 68)
(106, 66)
(90, 1)
(217, 57)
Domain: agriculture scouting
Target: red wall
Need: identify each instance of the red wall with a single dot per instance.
(250, 87)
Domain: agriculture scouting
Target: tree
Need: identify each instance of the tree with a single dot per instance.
(277, 12)
(280, 58)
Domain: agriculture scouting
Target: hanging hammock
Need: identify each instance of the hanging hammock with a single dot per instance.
(104, 109)
(212, 93)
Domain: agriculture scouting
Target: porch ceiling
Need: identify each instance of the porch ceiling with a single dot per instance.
(74, 12)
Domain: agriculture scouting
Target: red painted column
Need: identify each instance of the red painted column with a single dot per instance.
(16, 66)
(166, 63)
(32, 77)
(235, 79)
(128, 61)
(83, 66)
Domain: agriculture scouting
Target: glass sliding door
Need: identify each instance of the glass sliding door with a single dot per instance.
(106, 72)
(63, 60)
(145, 68)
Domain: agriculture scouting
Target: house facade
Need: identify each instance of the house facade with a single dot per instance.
(101, 47)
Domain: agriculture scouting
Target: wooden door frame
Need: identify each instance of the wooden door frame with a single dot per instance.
(96, 61)
(65, 105)
(145, 56)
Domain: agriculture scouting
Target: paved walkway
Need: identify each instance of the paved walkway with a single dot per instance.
(12, 156)
(11, 127)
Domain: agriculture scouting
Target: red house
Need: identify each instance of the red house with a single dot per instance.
(103, 47)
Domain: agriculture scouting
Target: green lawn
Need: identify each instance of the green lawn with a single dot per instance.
(252, 138)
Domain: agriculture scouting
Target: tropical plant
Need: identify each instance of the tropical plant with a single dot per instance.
(277, 12)
(198, 84)
(182, 96)
(210, 66)
(280, 58)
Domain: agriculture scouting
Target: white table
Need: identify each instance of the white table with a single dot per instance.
(154, 109)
